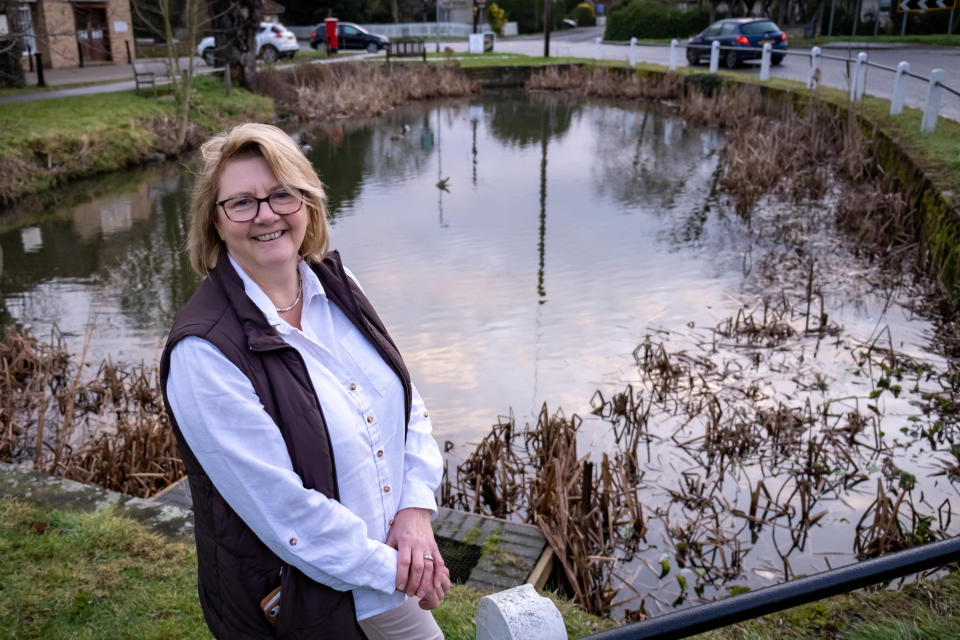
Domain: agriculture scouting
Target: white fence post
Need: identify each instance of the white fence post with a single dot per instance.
(633, 52)
(673, 55)
(859, 77)
(714, 56)
(765, 62)
(899, 88)
(813, 78)
(932, 110)
(519, 614)
(599, 54)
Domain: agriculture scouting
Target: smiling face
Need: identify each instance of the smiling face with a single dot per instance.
(269, 244)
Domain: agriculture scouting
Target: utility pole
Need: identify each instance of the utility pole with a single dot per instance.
(547, 22)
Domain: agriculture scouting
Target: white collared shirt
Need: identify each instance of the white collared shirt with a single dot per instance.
(340, 544)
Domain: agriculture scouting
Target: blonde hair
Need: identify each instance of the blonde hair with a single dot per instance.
(291, 169)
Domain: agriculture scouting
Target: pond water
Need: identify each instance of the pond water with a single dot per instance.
(567, 232)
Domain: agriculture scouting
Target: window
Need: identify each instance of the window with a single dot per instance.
(729, 28)
(23, 28)
(757, 28)
(712, 31)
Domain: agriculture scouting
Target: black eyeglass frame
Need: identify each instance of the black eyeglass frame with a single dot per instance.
(262, 200)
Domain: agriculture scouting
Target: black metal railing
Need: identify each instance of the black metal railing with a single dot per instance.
(688, 622)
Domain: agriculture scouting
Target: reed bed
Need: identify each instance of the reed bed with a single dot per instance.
(109, 429)
(762, 463)
(776, 147)
(310, 91)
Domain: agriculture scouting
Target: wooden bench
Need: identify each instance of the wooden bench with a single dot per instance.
(146, 73)
(407, 49)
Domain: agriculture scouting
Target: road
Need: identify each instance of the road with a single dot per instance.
(582, 43)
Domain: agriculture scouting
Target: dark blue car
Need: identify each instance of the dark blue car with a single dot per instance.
(745, 38)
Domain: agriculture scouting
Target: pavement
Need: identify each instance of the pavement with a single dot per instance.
(117, 77)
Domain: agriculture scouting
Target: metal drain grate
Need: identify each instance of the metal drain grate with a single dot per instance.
(459, 557)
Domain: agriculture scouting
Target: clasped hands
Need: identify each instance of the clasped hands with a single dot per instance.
(412, 536)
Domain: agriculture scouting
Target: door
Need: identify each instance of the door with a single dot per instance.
(92, 33)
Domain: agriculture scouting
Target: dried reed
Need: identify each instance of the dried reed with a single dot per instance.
(356, 89)
(110, 430)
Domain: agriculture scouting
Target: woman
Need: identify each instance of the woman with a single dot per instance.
(311, 463)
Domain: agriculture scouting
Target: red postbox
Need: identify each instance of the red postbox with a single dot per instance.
(330, 25)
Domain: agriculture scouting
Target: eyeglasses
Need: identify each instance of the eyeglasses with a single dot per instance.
(245, 208)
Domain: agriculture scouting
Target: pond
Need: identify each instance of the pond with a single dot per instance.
(519, 249)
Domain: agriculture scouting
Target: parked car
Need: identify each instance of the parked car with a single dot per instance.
(350, 36)
(274, 41)
(746, 36)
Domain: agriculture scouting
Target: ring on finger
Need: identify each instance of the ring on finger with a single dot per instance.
(428, 556)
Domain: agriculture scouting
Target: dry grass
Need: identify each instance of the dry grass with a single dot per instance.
(110, 430)
(311, 91)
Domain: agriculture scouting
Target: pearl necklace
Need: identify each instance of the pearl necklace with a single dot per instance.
(299, 295)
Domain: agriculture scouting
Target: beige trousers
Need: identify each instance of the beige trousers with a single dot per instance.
(406, 622)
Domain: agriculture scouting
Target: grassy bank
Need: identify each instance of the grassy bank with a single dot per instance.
(98, 575)
(84, 575)
(48, 142)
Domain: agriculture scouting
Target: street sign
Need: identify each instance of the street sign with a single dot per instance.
(919, 6)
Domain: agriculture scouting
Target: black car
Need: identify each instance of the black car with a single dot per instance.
(349, 36)
(745, 38)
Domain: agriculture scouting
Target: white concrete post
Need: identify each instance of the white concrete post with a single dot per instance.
(673, 54)
(859, 77)
(932, 110)
(899, 88)
(633, 52)
(862, 74)
(765, 62)
(599, 54)
(714, 56)
(519, 614)
(813, 77)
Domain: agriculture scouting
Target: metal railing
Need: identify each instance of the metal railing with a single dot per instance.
(688, 622)
(857, 79)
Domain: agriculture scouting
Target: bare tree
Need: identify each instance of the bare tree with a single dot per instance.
(163, 17)
(235, 26)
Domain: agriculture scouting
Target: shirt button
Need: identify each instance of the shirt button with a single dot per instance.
(390, 522)
(293, 542)
(353, 386)
(379, 453)
(369, 419)
(386, 489)
(425, 414)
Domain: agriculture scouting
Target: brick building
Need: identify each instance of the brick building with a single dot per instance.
(69, 33)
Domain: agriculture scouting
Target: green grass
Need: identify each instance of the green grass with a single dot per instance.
(103, 576)
(92, 576)
(66, 574)
(930, 610)
(496, 59)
